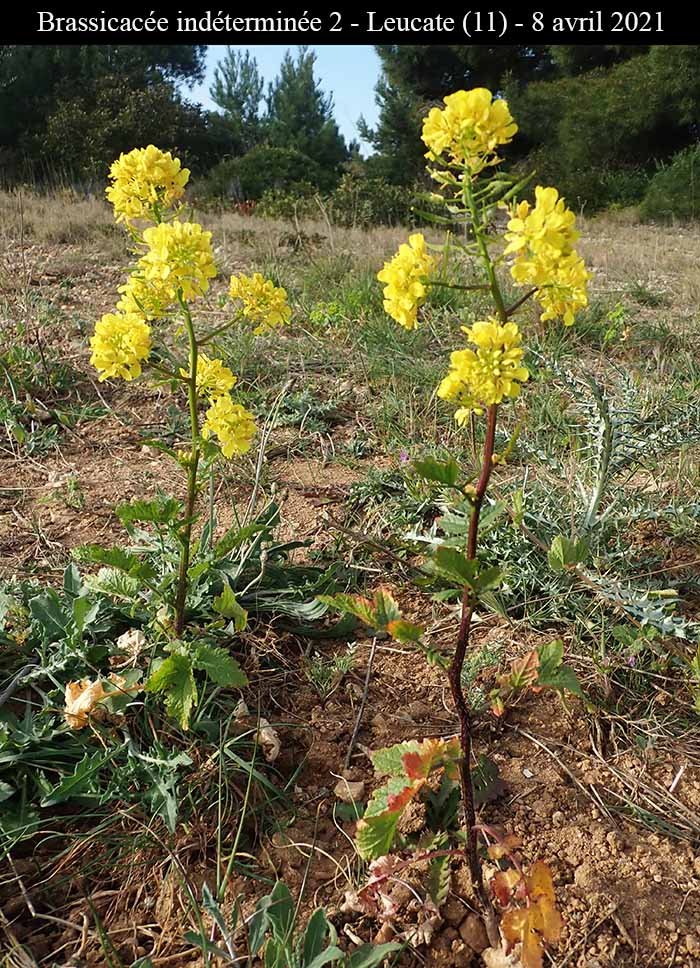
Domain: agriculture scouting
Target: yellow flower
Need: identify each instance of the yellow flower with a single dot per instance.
(121, 342)
(231, 423)
(542, 239)
(405, 278)
(213, 378)
(179, 257)
(263, 303)
(150, 299)
(566, 291)
(144, 182)
(468, 130)
(484, 376)
(547, 229)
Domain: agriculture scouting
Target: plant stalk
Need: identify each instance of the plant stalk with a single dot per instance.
(192, 466)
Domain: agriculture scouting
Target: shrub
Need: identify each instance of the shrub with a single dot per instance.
(262, 169)
(674, 191)
(359, 201)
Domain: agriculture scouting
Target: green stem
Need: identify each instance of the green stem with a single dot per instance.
(186, 534)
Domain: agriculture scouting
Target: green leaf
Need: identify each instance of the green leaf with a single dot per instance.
(47, 610)
(375, 835)
(226, 604)
(378, 612)
(280, 911)
(439, 875)
(80, 783)
(157, 511)
(404, 632)
(564, 553)
(115, 584)
(175, 680)
(84, 612)
(450, 564)
(317, 931)
(442, 472)
(71, 581)
(221, 667)
(553, 674)
(388, 761)
(116, 558)
(370, 955)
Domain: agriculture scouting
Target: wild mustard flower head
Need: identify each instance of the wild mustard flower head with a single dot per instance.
(179, 257)
(468, 130)
(120, 344)
(145, 182)
(405, 277)
(264, 303)
(542, 239)
(231, 424)
(489, 373)
(150, 299)
(546, 229)
(213, 378)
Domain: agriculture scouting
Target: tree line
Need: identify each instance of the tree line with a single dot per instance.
(600, 121)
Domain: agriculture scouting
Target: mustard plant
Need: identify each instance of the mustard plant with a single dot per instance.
(537, 250)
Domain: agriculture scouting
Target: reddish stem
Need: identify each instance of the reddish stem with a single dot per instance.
(455, 672)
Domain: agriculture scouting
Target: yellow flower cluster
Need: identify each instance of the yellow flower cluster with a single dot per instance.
(151, 300)
(231, 423)
(144, 183)
(179, 258)
(542, 239)
(213, 378)
(483, 376)
(263, 303)
(121, 342)
(405, 277)
(468, 130)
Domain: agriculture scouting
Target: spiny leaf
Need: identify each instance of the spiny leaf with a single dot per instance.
(439, 875)
(175, 680)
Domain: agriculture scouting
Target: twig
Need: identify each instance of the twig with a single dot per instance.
(363, 701)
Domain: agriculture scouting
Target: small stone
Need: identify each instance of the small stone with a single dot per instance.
(558, 818)
(453, 911)
(349, 791)
(473, 933)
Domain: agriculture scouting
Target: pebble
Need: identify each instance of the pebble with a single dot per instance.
(473, 933)
(349, 791)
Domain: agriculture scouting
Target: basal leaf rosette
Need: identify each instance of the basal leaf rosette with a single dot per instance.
(468, 131)
(405, 278)
(487, 374)
(145, 182)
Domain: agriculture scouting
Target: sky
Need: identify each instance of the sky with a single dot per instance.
(347, 71)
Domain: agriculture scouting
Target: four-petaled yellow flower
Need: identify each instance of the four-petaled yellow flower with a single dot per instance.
(231, 424)
(484, 376)
(264, 303)
(120, 344)
(213, 378)
(145, 182)
(468, 130)
(542, 239)
(179, 258)
(150, 299)
(405, 277)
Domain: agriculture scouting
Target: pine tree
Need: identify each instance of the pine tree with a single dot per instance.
(238, 92)
(300, 116)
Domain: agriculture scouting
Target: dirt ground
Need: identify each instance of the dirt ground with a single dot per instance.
(577, 791)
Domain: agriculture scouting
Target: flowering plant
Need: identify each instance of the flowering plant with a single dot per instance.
(172, 271)
(463, 140)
